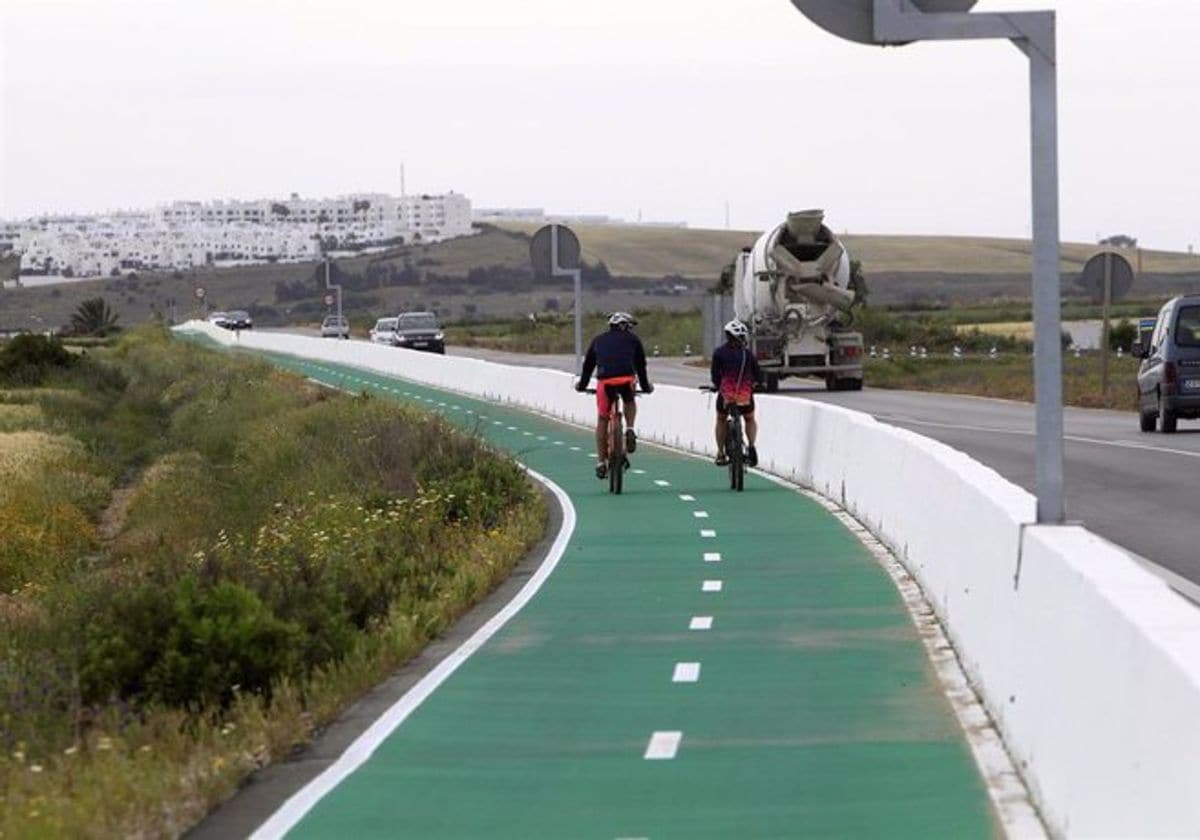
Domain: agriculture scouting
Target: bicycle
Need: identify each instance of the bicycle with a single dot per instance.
(735, 445)
(618, 461)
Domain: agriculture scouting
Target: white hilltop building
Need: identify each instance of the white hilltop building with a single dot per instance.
(189, 234)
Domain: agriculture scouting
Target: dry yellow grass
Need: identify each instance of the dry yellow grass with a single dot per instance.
(23, 452)
(1016, 329)
(17, 416)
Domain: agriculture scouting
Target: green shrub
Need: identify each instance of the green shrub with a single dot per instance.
(29, 359)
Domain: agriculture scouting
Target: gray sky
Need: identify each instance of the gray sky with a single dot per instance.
(670, 107)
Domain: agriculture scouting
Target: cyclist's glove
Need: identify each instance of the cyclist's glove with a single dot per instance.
(648, 388)
(581, 387)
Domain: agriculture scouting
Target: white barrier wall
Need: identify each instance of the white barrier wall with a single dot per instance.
(1089, 665)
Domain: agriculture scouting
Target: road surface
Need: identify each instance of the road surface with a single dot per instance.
(1138, 490)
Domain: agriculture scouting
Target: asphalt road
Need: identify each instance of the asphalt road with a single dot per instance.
(1137, 490)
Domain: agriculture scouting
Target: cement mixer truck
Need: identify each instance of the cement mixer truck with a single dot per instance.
(793, 289)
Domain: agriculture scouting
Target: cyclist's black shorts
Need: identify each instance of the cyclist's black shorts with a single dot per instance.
(746, 409)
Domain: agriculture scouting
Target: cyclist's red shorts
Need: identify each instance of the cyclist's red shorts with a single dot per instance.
(622, 384)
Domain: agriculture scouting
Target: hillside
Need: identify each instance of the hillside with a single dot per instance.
(488, 276)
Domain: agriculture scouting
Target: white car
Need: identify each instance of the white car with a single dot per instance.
(221, 319)
(384, 331)
(335, 326)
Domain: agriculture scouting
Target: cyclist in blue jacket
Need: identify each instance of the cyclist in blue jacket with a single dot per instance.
(618, 360)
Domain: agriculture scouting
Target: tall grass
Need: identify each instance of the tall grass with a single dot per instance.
(281, 551)
(670, 332)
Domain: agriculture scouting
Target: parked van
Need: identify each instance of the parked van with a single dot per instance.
(1169, 377)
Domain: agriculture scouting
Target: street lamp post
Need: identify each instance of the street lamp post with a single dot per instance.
(895, 22)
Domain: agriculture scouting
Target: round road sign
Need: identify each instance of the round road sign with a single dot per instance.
(1121, 276)
(855, 19)
(199, 292)
(540, 252)
(329, 299)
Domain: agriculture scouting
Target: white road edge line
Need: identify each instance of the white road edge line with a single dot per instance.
(300, 803)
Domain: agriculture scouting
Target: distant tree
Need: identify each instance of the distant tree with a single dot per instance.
(1120, 240)
(68, 272)
(94, 317)
(858, 283)
(1122, 335)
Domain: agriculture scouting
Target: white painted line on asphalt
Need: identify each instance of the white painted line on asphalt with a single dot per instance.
(712, 557)
(559, 443)
(663, 745)
(574, 448)
(686, 672)
(294, 809)
(511, 428)
(541, 437)
(640, 472)
(711, 586)
(497, 423)
(456, 408)
(700, 514)
(701, 622)
(662, 483)
(685, 497)
(707, 533)
(527, 434)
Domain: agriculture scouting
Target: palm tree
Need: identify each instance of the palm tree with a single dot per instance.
(94, 317)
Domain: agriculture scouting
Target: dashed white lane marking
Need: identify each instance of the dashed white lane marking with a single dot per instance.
(559, 443)
(663, 745)
(662, 483)
(456, 408)
(640, 472)
(497, 423)
(541, 437)
(511, 428)
(711, 586)
(700, 514)
(574, 448)
(685, 497)
(686, 672)
(707, 533)
(712, 557)
(527, 434)
(701, 622)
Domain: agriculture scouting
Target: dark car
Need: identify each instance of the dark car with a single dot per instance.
(238, 320)
(1169, 377)
(419, 331)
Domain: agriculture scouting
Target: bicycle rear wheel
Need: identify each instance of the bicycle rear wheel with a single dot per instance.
(616, 453)
(737, 455)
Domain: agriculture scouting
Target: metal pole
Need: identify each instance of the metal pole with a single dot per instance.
(1104, 325)
(1047, 300)
(578, 320)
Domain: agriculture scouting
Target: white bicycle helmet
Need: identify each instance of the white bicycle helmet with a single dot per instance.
(622, 320)
(737, 329)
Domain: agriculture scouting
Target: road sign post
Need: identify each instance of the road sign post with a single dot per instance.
(1109, 277)
(337, 287)
(895, 22)
(554, 252)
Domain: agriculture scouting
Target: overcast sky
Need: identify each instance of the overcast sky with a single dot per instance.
(668, 108)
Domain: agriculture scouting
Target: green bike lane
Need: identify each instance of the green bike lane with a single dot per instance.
(700, 663)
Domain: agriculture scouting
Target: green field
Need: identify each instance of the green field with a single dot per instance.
(487, 277)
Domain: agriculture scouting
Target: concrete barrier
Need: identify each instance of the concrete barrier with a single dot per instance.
(1088, 664)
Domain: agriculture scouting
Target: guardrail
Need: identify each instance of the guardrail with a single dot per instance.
(1088, 664)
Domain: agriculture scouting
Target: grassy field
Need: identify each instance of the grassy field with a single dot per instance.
(919, 272)
(1010, 376)
(195, 575)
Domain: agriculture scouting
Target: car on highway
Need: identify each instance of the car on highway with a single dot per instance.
(420, 331)
(335, 326)
(238, 319)
(1168, 379)
(384, 331)
(218, 318)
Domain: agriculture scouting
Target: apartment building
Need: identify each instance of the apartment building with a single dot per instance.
(188, 234)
